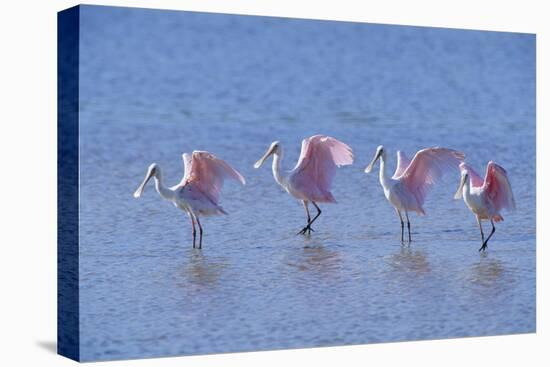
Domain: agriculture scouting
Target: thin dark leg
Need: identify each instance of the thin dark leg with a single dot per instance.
(408, 225)
(307, 227)
(484, 246)
(194, 231)
(318, 213)
(200, 232)
(307, 211)
(402, 225)
(481, 230)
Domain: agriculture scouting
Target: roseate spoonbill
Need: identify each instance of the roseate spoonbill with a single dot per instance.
(310, 180)
(486, 198)
(198, 193)
(407, 189)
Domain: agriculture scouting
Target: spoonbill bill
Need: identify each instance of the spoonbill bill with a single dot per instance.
(198, 193)
(311, 179)
(486, 197)
(406, 190)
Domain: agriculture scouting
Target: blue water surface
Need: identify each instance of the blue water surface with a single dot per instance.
(155, 84)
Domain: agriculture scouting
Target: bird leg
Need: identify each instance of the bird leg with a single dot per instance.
(481, 230)
(318, 213)
(194, 231)
(307, 228)
(408, 225)
(200, 233)
(402, 225)
(484, 246)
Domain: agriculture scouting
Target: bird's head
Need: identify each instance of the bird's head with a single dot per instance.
(152, 171)
(275, 147)
(380, 152)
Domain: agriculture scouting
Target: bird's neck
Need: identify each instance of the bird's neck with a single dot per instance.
(276, 168)
(384, 178)
(163, 191)
(467, 189)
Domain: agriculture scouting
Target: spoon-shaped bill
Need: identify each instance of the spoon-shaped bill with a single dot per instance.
(150, 173)
(266, 155)
(371, 164)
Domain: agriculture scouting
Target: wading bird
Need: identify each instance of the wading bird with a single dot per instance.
(407, 189)
(311, 179)
(486, 198)
(198, 193)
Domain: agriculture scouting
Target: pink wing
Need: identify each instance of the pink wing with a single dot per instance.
(316, 167)
(402, 163)
(207, 173)
(497, 187)
(187, 162)
(476, 179)
(427, 167)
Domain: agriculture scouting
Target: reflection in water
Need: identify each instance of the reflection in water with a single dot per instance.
(410, 261)
(200, 270)
(314, 257)
(487, 272)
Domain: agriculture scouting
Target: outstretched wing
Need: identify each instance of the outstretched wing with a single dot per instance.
(475, 178)
(497, 187)
(207, 173)
(186, 157)
(402, 163)
(316, 167)
(427, 168)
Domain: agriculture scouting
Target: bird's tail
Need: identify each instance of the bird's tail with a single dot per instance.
(498, 218)
(325, 197)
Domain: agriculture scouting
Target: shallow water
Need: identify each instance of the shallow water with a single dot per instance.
(156, 84)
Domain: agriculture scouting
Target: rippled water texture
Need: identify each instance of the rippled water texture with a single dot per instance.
(155, 84)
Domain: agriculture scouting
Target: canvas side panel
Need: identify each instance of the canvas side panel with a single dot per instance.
(67, 183)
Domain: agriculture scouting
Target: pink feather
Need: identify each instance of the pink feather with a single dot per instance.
(427, 168)
(320, 156)
(206, 173)
(402, 163)
(497, 188)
